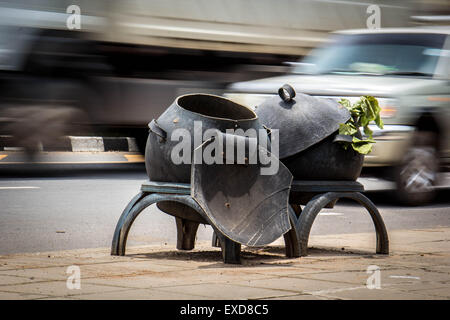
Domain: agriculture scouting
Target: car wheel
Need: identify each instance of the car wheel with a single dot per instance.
(417, 174)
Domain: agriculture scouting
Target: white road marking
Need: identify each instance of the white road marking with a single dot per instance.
(331, 214)
(404, 277)
(337, 290)
(13, 188)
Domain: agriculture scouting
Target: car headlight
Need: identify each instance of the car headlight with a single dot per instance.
(388, 107)
(249, 100)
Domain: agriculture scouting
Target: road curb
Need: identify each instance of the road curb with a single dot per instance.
(77, 144)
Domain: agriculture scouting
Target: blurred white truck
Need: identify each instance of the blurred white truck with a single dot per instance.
(130, 58)
(408, 71)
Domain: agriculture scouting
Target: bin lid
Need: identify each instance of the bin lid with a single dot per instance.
(302, 121)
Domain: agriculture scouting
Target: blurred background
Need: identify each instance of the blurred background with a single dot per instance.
(80, 81)
(105, 68)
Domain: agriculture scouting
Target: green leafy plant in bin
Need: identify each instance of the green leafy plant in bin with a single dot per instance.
(363, 112)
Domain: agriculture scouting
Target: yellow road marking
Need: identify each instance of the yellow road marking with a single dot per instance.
(130, 158)
(63, 162)
(134, 157)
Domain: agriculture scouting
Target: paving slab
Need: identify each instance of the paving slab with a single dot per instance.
(174, 278)
(19, 296)
(299, 297)
(143, 294)
(358, 293)
(6, 280)
(293, 285)
(55, 288)
(227, 291)
(45, 273)
(439, 293)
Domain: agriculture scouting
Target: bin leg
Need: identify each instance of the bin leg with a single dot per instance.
(215, 242)
(115, 246)
(186, 232)
(291, 237)
(315, 205)
(231, 250)
(134, 208)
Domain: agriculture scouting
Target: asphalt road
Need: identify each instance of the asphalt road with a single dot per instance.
(78, 207)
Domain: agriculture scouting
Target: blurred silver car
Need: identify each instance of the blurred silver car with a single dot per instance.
(407, 70)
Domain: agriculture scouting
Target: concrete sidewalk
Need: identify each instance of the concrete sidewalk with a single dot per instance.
(336, 268)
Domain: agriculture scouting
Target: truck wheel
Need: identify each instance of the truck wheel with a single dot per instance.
(417, 174)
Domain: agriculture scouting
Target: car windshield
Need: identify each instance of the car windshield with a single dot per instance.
(378, 54)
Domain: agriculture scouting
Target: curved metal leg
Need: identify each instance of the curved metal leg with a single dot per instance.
(313, 207)
(134, 208)
(116, 236)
